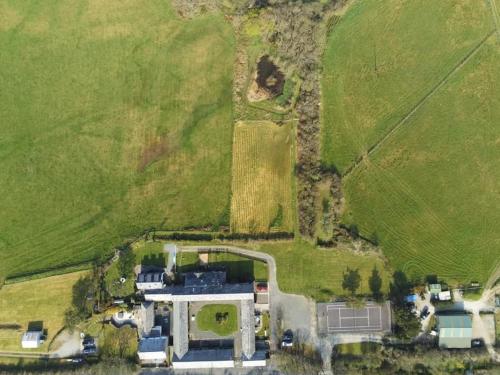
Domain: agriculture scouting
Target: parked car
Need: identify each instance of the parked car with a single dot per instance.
(88, 340)
(261, 287)
(287, 341)
(89, 349)
(425, 312)
(477, 343)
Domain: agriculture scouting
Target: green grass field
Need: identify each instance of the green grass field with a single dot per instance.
(382, 58)
(305, 269)
(429, 191)
(117, 117)
(207, 319)
(43, 300)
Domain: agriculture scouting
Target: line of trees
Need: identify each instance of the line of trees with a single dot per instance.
(352, 280)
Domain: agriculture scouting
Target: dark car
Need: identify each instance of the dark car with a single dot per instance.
(89, 349)
(477, 343)
(425, 312)
(287, 340)
(88, 341)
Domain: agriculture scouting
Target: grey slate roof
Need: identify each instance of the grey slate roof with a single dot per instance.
(150, 277)
(204, 279)
(248, 328)
(205, 355)
(180, 328)
(153, 344)
(259, 355)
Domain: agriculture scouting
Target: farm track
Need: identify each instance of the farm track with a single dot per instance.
(457, 67)
(496, 17)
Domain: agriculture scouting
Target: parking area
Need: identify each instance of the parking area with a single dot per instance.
(340, 318)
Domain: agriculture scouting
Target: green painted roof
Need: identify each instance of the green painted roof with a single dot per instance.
(454, 321)
(455, 331)
(435, 288)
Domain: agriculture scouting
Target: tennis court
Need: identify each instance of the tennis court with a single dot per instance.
(340, 318)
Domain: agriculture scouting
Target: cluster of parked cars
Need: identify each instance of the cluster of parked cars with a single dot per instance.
(89, 346)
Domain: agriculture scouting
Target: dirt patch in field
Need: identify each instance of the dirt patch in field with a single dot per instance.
(152, 152)
(268, 82)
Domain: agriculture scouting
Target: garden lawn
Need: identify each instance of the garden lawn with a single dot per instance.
(206, 319)
(239, 268)
(305, 269)
(116, 117)
(42, 300)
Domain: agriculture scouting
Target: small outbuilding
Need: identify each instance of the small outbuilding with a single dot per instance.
(150, 280)
(435, 289)
(31, 339)
(455, 331)
(444, 296)
(153, 350)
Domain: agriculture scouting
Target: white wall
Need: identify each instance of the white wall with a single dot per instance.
(152, 356)
(197, 297)
(261, 363)
(203, 364)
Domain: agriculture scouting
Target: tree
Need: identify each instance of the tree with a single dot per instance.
(351, 281)
(126, 262)
(399, 288)
(375, 283)
(82, 302)
(407, 324)
(119, 343)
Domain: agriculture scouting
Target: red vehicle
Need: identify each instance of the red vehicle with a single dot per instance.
(261, 287)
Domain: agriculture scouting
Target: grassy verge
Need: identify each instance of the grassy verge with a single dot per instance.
(357, 349)
(220, 319)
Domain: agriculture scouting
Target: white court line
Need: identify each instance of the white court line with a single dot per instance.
(361, 330)
(370, 328)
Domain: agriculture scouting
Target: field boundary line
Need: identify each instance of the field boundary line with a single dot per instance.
(496, 17)
(463, 61)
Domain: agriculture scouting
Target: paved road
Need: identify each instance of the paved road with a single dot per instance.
(288, 311)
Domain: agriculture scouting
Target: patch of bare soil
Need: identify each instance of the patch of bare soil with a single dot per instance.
(203, 258)
(152, 152)
(268, 81)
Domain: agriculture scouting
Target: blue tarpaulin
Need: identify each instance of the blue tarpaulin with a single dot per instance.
(411, 298)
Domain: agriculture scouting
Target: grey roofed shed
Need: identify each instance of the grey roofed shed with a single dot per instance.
(153, 344)
(455, 331)
(205, 355)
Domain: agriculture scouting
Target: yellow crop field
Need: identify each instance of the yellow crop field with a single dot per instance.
(262, 177)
